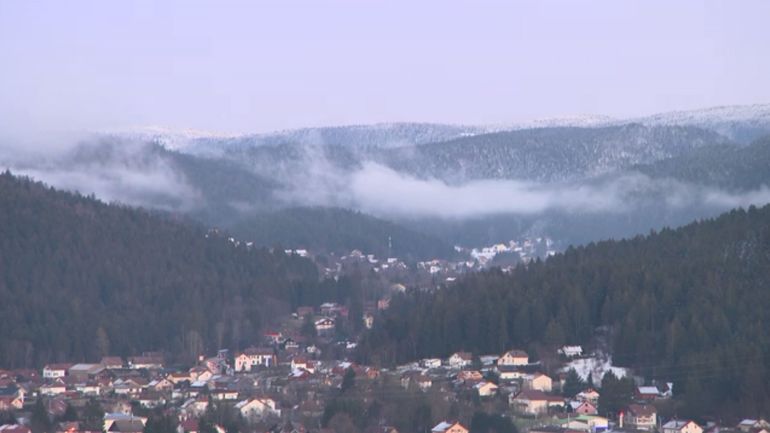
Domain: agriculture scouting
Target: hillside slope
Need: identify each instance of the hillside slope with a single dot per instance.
(690, 305)
(80, 279)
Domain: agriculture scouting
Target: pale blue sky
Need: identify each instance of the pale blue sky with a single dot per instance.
(264, 65)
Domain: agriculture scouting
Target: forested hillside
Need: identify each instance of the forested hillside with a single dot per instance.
(730, 167)
(80, 279)
(340, 231)
(688, 305)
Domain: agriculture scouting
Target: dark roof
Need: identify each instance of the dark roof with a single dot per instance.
(127, 426)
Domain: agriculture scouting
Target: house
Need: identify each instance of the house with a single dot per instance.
(368, 320)
(84, 371)
(470, 376)
(145, 362)
(589, 395)
(460, 360)
(513, 357)
(585, 423)
(510, 372)
(571, 351)
(583, 407)
(161, 385)
(324, 325)
(486, 389)
(253, 357)
(129, 423)
(431, 363)
(195, 407)
(681, 426)
(224, 394)
(752, 425)
(52, 371)
(534, 402)
(639, 417)
(54, 388)
(112, 362)
(449, 427)
(11, 402)
(647, 393)
(302, 364)
(255, 408)
(539, 382)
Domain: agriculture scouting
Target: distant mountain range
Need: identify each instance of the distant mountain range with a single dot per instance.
(575, 179)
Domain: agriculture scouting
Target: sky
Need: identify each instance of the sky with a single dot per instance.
(253, 66)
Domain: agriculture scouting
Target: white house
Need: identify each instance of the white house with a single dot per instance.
(513, 357)
(460, 360)
(486, 389)
(681, 426)
(52, 371)
(253, 357)
(255, 408)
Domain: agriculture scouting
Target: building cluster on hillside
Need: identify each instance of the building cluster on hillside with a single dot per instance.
(283, 382)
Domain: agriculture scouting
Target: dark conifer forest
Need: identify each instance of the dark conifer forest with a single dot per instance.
(80, 279)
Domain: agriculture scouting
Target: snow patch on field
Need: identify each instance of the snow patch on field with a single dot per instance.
(597, 366)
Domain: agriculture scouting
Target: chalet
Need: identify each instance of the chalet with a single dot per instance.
(681, 426)
(538, 382)
(54, 388)
(11, 402)
(161, 385)
(302, 364)
(533, 402)
(583, 408)
(513, 357)
(178, 377)
(85, 371)
(639, 417)
(647, 393)
(273, 337)
(324, 325)
(368, 320)
(752, 425)
(256, 408)
(486, 389)
(571, 351)
(129, 386)
(195, 407)
(460, 360)
(151, 399)
(224, 394)
(112, 362)
(585, 423)
(254, 357)
(145, 362)
(510, 372)
(449, 427)
(590, 395)
(199, 373)
(52, 371)
(130, 423)
(469, 376)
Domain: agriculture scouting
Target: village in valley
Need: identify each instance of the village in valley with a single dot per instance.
(292, 379)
